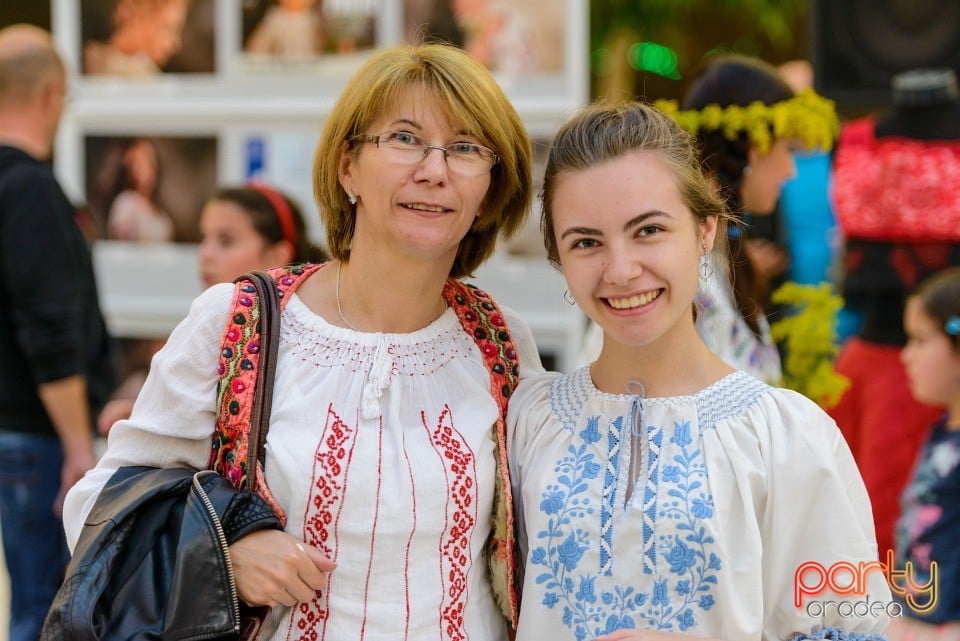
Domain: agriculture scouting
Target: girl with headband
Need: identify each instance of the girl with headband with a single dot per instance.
(250, 227)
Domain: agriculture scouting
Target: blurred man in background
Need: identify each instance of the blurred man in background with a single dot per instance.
(55, 366)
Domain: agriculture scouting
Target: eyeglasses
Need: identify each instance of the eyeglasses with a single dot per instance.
(463, 158)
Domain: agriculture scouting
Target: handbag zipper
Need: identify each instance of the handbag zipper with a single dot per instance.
(223, 545)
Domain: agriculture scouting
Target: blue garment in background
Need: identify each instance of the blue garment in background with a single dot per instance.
(34, 543)
(930, 522)
(811, 232)
(809, 224)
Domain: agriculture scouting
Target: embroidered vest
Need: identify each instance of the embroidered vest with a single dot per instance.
(479, 316)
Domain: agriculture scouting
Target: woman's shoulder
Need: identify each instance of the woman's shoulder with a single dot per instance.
(780, 417)
(209, 310)
(531, 408)
(553, 396)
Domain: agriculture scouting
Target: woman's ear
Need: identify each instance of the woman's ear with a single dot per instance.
(345, 168)
(708, 232)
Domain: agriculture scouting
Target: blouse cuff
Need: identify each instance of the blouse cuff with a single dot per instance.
(836, 634)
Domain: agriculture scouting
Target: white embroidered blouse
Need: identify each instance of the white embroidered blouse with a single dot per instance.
(385, 438)
(688, 514)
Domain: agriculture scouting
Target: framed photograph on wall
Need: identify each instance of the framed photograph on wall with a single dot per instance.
(294, 31)
(536, 49)
(142, 191)
(293, 40)
(142, 39)
(148, 187)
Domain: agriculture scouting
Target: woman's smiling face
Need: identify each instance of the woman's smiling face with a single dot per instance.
(630, 247)
(415, 210)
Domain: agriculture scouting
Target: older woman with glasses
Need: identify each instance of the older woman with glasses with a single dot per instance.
(386, 446)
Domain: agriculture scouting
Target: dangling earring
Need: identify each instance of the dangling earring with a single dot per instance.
(706, 266)
(351, 198)
(747, 170)
(567, 297)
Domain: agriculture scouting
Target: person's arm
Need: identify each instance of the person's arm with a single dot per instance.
(172, 425)
(174, 417)
(816, 519)
(65, 402)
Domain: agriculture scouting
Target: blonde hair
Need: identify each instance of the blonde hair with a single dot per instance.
(471, 99)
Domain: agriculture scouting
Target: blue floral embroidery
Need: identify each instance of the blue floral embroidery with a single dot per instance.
(589, 607)
(836, 634)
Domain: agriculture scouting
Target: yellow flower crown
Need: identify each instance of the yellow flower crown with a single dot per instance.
(808, 116)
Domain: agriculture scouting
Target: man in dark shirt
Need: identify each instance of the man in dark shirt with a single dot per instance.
(54, 349)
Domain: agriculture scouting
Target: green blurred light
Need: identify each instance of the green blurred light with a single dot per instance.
(655, 58)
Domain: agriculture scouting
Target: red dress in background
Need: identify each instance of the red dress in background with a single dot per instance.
(897, 201)
(883, 425)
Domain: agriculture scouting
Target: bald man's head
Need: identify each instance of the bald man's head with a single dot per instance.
(28, 61)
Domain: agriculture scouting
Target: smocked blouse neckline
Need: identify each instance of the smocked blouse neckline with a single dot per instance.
(444, 323)
(730, 380)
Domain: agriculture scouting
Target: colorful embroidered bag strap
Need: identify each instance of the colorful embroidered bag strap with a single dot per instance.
(483, 320)
(240, 352)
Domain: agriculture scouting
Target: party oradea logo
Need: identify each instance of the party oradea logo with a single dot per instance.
(812, 581)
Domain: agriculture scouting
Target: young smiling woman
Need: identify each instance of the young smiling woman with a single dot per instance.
(659, 490)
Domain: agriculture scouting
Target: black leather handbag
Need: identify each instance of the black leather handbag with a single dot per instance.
(152, 562)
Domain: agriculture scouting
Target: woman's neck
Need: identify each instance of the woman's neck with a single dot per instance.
(672, 366)
(377, 295)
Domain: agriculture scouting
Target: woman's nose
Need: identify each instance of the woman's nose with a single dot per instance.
(433, 165)
(620, 268)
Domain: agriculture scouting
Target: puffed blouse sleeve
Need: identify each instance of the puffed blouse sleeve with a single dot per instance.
(527, 353)
(173, 417)
(527, 413)
(816, 515)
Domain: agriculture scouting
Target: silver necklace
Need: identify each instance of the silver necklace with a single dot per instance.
(339, 308)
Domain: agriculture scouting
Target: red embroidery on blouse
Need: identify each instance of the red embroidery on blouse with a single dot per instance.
(455, 555)
(324, 505)
(373, 530)
(406, 554)
(896, 189)
(479, 317)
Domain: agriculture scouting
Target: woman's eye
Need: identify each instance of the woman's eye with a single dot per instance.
(585, 243)
(463, 148)
(645, 232)
(404, 138)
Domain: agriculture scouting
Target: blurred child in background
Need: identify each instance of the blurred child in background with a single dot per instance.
(251, 227)
(930, 517)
